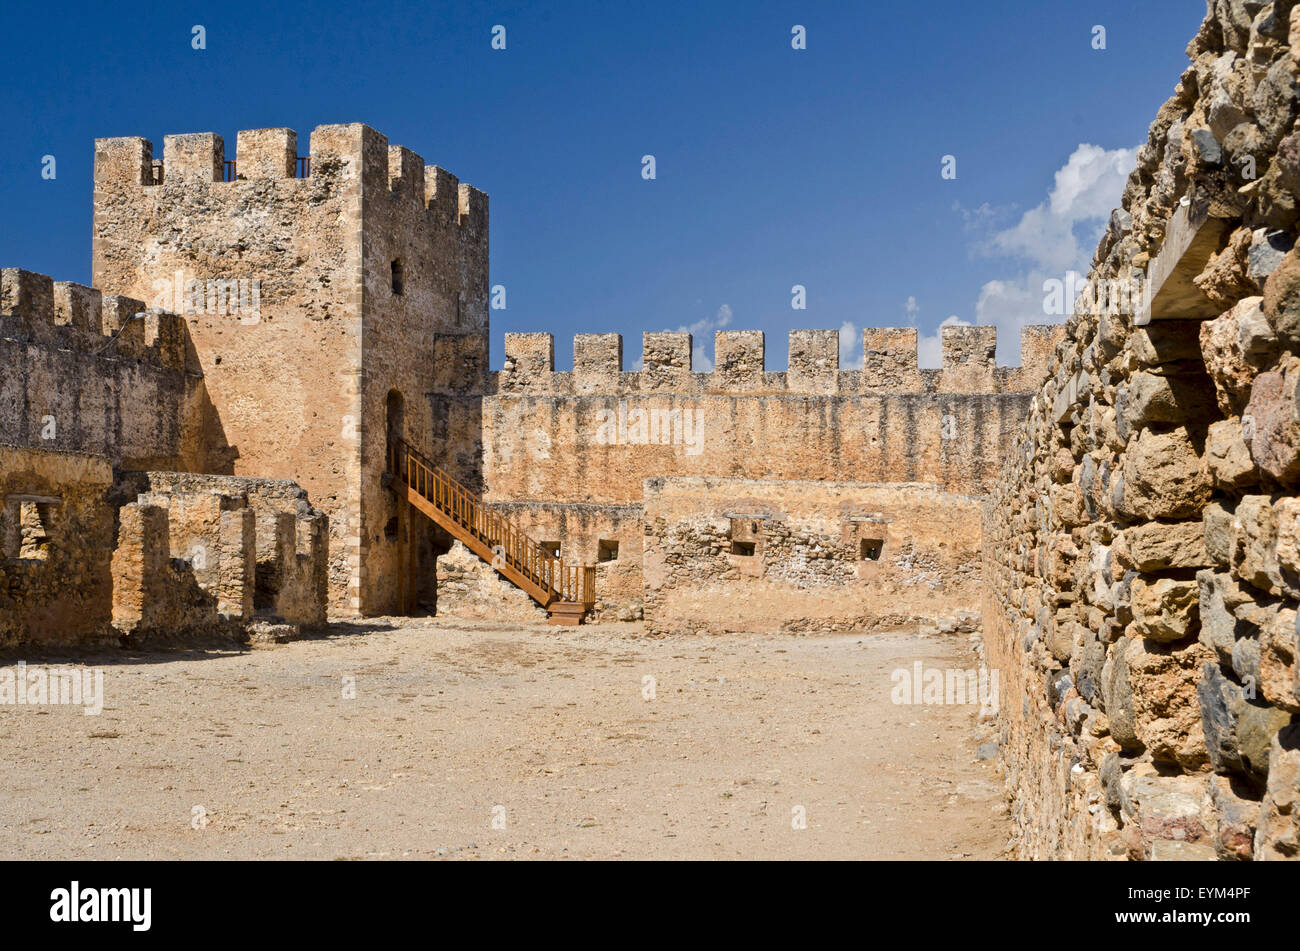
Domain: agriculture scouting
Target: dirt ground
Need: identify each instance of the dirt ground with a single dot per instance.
(458, 728)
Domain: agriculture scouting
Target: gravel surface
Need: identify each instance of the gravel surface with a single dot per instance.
(459, 728)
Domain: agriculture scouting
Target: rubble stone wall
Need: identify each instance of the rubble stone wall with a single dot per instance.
(57, 532)
(1141, 552)
(740, 555)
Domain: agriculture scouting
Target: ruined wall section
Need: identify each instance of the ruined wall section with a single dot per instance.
(56, 539)
(1141, 546)
(80, 373)
(725, 555)
(203, 554)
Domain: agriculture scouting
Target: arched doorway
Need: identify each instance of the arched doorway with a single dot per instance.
(395, 423)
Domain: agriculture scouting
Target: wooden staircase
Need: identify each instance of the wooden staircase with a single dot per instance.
(567, 592)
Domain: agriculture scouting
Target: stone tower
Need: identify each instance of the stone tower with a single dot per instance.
(333, 301)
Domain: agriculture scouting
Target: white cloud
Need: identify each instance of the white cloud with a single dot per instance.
(701, 332)
(850, 346)
(929, 347)
(1086, 188)
(1054, 237)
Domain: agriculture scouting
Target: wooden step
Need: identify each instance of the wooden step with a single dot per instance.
(566, 612)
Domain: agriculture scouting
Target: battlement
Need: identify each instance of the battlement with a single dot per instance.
(889, 363)
(338, 154)
(39, 310)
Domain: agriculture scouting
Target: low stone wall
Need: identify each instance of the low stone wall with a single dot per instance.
(744, 555)
(1142, 549)
(469, 587)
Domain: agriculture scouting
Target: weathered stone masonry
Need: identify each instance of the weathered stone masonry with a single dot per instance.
(569, 454)
(371, 317)
(97, 389)
(1141, 549)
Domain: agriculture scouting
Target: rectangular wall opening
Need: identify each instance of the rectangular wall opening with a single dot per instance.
(870, 549)
(606, 550)
(29, 528)
(745, 549)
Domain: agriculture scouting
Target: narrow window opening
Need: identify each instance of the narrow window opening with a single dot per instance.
(29, 529)
(397, 277)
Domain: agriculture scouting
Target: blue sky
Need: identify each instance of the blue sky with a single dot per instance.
(775, 167)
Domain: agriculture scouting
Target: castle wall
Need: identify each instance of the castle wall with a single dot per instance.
(595, 434)
(79, 374)
(727, 555)
(1140, 556)
(566, 454)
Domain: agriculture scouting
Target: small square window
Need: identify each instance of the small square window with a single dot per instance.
(551, 548)
(745, 549)
(870, 549)
(606, 550)
(397, 277)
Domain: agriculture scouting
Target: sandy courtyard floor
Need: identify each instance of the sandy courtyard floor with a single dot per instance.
(458, 728)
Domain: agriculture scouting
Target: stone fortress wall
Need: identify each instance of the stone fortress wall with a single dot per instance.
(568, 454)
(1141, 552)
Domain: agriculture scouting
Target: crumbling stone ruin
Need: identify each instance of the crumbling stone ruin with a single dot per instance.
(1140, 548)
(101, 542)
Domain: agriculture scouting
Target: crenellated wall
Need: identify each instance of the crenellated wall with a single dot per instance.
(79, 372)
(890, 366)
(557, 445)
(594, 434)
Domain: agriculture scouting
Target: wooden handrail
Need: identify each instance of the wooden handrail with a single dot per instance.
(513, 552)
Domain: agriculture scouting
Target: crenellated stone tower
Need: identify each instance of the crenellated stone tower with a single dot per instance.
(333, 301)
